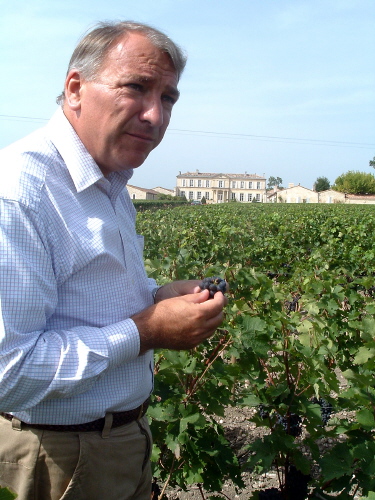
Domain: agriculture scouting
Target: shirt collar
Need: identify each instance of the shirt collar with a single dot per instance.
(83, 169)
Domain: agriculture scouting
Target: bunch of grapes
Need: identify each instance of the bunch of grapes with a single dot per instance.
(293, 304)
(213, 284)
(326, 409)
(292, 424)
(263, 413)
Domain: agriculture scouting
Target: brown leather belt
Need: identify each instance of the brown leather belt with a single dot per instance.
(119, 418)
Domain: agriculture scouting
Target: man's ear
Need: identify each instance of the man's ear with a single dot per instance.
(73, 85)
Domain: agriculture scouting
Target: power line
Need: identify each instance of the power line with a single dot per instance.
(270, 137)
(228, 135)
(22, 118)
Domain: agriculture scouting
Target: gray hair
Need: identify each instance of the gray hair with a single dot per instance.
(93, 47)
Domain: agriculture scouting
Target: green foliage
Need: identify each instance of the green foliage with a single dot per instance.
(322, 184)
(300, 318)
(142, 205)
(6, 494)
(274, 181)
(163, 196)
(355, 183)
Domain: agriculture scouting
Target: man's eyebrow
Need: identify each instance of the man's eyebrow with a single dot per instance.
(170, 89)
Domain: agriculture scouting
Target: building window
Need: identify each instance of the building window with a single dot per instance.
(249, 197)
(233, 184)
(250, 185)
(233, 196)
(191, 184)
(191, 195)
(258, 197)
(242, 184)
(183, 182)
(182, 193)
(221, 184)
(241, 196)
(199, 183)
(258, 185)
(207, 184)
(207, 195)
(199, 195)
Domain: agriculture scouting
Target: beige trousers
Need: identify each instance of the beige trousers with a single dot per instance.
(50, 465)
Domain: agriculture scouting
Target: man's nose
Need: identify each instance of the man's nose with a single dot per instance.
(153, 112)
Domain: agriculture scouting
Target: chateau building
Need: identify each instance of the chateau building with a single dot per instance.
(300, 194)
(221, 188)
(138, 193)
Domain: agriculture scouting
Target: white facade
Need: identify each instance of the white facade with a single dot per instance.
(293, 194)
(221, 188)
(300, 194)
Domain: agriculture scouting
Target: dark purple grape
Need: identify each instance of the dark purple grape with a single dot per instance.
(326, 409)
(291, 423)
(213, 284)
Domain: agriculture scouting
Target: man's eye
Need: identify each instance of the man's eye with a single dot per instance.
(135, 86)
(168, 99)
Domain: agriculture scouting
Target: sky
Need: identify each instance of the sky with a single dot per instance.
(282, 88)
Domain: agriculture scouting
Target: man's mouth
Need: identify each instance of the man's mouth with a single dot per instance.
(142, 137)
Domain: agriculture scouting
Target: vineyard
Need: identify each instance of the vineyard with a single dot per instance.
(299, 321)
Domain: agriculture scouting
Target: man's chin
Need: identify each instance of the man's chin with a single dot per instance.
(136, 161)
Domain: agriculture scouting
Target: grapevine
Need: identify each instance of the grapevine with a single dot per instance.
(300, 312)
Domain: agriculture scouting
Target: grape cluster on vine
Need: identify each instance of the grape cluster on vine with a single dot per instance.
(326, 409)
(292, 424)
(213, 284)
(263, 413)
(292, 305)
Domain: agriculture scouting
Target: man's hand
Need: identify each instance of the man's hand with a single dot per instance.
(177, 289)
(181, 322)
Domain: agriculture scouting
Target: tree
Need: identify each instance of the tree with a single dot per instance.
(274, 181)
(163, 196)
(203, 200)
(321, 184)
(355, 183)
(372, 162)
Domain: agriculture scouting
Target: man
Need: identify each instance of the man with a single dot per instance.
(79, 315)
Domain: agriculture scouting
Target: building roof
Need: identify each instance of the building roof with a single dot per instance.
(360, 196)
(163, 188)
(142, 189)
(228, 176)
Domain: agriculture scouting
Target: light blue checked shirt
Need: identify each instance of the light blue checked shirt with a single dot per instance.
(71, 276)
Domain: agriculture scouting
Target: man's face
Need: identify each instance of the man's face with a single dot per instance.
(123, 115)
